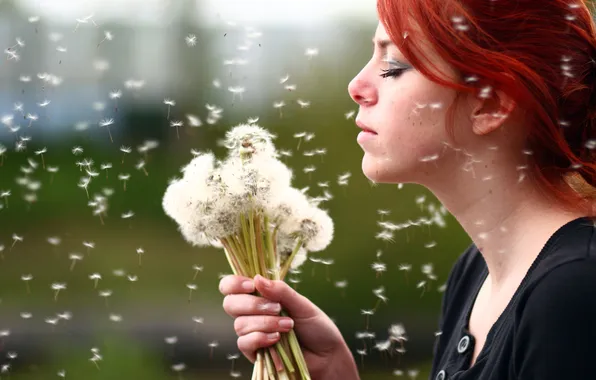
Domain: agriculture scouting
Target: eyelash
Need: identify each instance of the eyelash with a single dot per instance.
(394, 72)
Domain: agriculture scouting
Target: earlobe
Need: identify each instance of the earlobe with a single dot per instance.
(487, 118)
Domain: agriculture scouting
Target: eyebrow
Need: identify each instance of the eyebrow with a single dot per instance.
(382, 43)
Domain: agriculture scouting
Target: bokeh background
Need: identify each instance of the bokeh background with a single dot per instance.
(69, 65)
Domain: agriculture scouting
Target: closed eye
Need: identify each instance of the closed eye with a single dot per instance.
(395, 72)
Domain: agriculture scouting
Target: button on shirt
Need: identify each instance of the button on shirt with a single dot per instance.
(548, 329)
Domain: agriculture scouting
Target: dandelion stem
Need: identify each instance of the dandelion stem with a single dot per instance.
(28, 289)
(286, 265)
(230, 257)
(110, 133)
(247, 244)
(236, 255)
(269, 363)
(259, 245)
(253, 243)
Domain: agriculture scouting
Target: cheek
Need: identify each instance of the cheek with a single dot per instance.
(414, 128)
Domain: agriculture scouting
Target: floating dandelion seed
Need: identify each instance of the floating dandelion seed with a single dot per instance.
(105, 294)
(77, 150)
(96, 358)
(179, 368)
(303, 103)
(193, 120)
(169, 103)
(127, 215)
(5, 194)
(236, 90)
(1, 251)
(106, 123)
(421, 284)
(141, 166)
(40, 153)
(362, 353)
(84, 183)
(44, 103)
(57, 287)
(115, 95)
(125, 150)
(15, 238)
(107, 36)
(89, 245)
(74, 257)
(2, 153)
(379, 268)
(284, 79)
(311, 52)
(191, 40)
(212, 346)
(309, 170)
(140, 253)
(95, 277)
(124, 177)
(279, 105)
(176, 124)
(198, 321)
(106, 166)
(342, 285)
(27, 278)
(191, 287)
(197, 269)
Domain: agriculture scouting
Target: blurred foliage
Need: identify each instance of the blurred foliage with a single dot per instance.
(157, 305)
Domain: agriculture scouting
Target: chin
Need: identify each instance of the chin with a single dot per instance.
(380, 170)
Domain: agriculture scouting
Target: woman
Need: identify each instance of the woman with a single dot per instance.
(491, 105)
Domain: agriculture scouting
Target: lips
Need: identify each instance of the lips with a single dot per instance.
(364, 127)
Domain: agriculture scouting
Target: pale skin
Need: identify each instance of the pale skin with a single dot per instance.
(475, 177)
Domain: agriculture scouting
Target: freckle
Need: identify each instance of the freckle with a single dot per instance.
(490, 191)
(485, 166)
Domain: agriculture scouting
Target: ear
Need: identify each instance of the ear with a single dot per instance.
(490, 114)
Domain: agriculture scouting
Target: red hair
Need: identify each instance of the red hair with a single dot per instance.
(542, 53)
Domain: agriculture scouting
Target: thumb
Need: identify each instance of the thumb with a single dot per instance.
(297, 306)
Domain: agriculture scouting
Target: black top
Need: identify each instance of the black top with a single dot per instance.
(548, 329)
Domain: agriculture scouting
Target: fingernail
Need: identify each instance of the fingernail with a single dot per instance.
(286, 323)
(272, 336)
(274, 307)
(248, 285)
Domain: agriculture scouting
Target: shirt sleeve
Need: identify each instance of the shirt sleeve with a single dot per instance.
(557, 327)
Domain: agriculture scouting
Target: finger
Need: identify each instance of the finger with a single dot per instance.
(263, 323)
(236, 305)
(233, 284)
(277, 362)
(250, 343)
(298, 306)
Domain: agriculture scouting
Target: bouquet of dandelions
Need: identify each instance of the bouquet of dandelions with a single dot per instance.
(246, 205)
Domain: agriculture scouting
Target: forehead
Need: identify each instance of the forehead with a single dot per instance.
(380, 32)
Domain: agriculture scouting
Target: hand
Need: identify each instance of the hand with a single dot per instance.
(256, 322)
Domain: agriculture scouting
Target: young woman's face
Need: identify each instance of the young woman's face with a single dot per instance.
(405, 110)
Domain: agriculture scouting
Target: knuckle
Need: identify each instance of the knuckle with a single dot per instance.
(228, 302)
(239, 326)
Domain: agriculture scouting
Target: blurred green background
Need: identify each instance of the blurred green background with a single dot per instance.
(146, 326)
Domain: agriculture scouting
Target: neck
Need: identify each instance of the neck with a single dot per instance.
(509, 220)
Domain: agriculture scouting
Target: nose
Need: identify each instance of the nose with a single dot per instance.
(362, 91)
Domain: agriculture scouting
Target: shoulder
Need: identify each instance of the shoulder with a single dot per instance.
(565, 287)
(555, 326)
